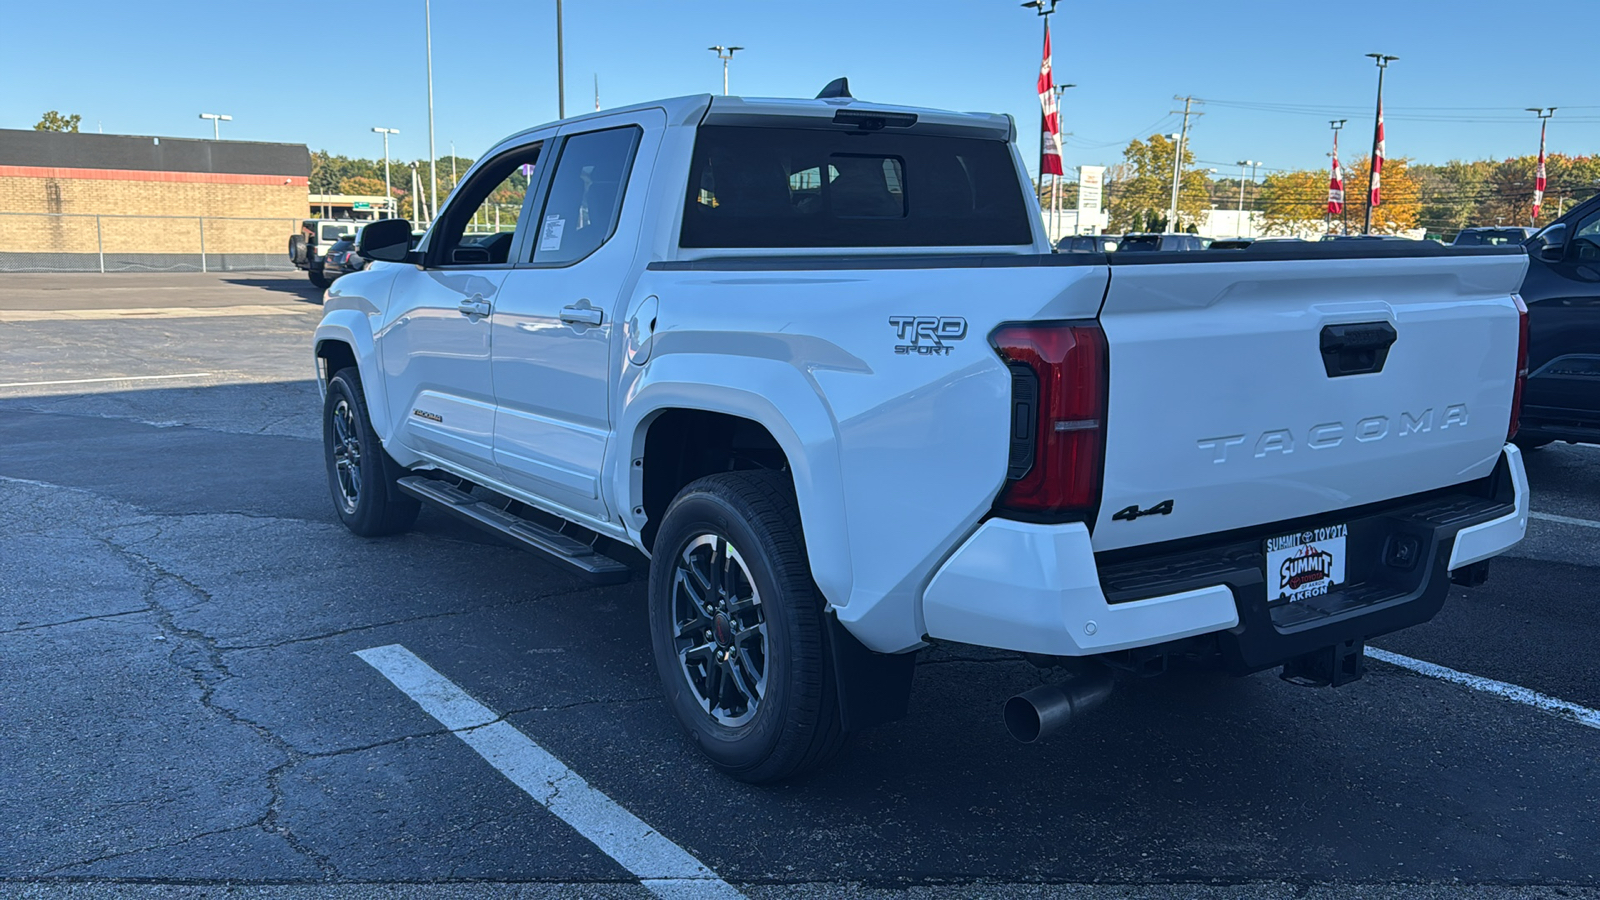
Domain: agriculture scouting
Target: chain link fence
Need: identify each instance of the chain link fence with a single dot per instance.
(70, 242)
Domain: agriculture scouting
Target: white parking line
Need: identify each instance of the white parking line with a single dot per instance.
(147, 312)
(15, 384)
(663, 867)
(1565, 520)
(1583, 715)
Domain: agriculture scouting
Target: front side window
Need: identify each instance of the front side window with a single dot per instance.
(480, 222)
(585, 195)
(817, 187)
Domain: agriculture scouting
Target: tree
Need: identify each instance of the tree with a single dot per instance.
(362, 186)
(55, 121)
(1139, 191)
(1293, 203)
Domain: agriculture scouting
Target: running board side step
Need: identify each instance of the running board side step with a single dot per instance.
(565, 551)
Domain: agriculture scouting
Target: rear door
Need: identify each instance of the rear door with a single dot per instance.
(1248, 392)
(555, 323)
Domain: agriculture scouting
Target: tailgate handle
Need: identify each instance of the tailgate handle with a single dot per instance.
(1356, 349)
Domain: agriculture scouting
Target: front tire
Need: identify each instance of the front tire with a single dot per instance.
(361, 474)
(738, 630)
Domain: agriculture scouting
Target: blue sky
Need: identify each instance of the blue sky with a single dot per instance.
(328, 73)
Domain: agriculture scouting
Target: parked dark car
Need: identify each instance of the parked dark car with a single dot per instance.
(342, 259)
(1562, 289)
(1491, 236)
(1137, 243)
(1086, 243)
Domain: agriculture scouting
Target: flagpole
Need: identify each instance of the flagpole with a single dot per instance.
(1377, 137)
(1544, 115)
(1045, 8)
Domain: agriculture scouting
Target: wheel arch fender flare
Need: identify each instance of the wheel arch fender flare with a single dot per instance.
(350, 328)
(775, 396)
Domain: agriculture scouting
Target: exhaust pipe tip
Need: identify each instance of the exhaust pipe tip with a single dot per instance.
(1033, 715)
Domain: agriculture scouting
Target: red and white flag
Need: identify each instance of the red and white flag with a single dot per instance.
(1051, 162)
(1538, 179)
(1373, 198)
(1335, 182)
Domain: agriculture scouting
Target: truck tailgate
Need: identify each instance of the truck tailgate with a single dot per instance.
(1249, 391)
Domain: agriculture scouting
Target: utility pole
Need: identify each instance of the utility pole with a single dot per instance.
(561, 69)
(1377, 137)
(1044, 8)
(216, 133)
(1544, 114)
(433, 168)
(1177, 160)
(388, 192)
(1252, 163)
(723, 53)
(1055, 180)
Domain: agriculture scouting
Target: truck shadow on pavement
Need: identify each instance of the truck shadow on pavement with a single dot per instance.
(299, 287)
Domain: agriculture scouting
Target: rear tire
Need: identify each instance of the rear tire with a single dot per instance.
(1526, 444)
(318, 279)
(738, 630)
(361, 474)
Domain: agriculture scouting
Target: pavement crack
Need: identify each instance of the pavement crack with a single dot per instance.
(42, 625)
(197, 654)
(165, 845)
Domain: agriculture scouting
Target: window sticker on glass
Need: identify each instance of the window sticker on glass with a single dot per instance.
(550, 236)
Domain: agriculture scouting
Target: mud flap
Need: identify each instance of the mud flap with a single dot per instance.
(873, 688)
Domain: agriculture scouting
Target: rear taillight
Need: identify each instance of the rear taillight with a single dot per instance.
(1522, 366)
(1058, 416)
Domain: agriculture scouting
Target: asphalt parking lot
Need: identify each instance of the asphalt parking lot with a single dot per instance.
(183, 711)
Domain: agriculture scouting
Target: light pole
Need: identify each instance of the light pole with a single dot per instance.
(388, 192)
(561, 69)
(1252, 163)
(724, 54)
(216, 133)
(1055, 180)
(433, 169)
(1377, 136)
(1177, 163)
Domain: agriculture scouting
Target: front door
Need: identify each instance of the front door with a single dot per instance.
(435, 342)
(554, 323)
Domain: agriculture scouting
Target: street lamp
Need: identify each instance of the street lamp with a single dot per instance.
(1377, 135)
(216, 134)
(388, 192)
(724, 54)
(1544, 114)
(1055, 180)
(1252, 163)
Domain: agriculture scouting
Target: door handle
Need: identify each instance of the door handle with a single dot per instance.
(477, 306)
(582, 315)
(1356, 349)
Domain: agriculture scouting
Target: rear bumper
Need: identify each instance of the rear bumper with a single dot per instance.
(1041, 589)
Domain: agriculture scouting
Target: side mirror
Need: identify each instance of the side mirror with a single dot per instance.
(388, 240)
(1550, 244)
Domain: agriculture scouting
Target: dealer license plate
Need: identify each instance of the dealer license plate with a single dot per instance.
(1305, 564)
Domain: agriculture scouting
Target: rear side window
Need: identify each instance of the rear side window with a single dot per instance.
(585, 195)
(752, 187)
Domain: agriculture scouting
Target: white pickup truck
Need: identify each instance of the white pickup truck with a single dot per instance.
(816, 360)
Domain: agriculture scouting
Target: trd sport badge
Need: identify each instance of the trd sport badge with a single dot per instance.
(926, 335)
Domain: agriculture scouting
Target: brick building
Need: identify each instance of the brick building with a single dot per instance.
(85, 202)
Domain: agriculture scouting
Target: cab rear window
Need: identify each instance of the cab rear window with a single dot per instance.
(761, 187)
